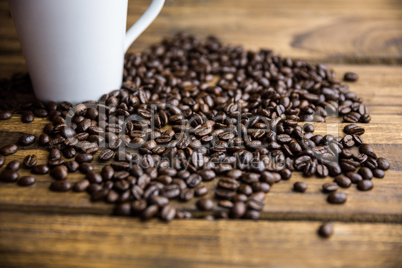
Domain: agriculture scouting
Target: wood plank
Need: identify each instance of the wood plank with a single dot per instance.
(384, 203)
(99, 241)
(316, 30)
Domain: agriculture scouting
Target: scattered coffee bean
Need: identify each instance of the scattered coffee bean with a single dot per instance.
(337, 198)
(26, 181)
(14, 165)
(26, 140)
(383, 163)
(350, 77)
(60, 186)
(300, 187)
(326, 230)
(40, 169)
(343, 181)
(365, 185)
(59, 172)
(8, 175)
(81, 186)
(205, 204)
(4, 115)
(9, 149)
(27, 117)
(30, 161)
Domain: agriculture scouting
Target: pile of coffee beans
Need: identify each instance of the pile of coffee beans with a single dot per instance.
(192, 111)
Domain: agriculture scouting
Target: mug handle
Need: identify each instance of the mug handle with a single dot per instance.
(146, 19)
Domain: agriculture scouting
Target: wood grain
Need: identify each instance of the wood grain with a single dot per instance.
(34, 240)
(326, 31)
(383, 204)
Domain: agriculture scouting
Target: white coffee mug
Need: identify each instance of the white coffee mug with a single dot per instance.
(74, 49)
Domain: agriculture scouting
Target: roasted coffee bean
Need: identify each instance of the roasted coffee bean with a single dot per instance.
(350, 77)
(383, 163)
(59, 172)
(40, 169)
(69, 152)
(72, 166)
(207, 174)
(27, 117)
(353, 130)
(168, 213)
(2, 160)
(186, 194)
(139, 205)
(54, 154)
(225, 204)
(330, 187)
(8, 175)
(367, 150)
(81, 186)
(260, 187)
(326, 230)
(343, 181)
(81, 158)
(14, 165)
(238, 210)
(205, 204)
(365, 173)
(26, 140)
(106, 155)
(120, 166)
(201, 191)
(337, 198)
(228, 183)
(365, 185)
(300, 187)
(44, 139)
(378, 173)
(354, 177)
(171, 191)
(26, 181)
(93, 177)
(149, 212)
(8, 149)
(60, 186)
(86, 167)
(123, 209)
(252, 214)
(193, 180)
(5, 114)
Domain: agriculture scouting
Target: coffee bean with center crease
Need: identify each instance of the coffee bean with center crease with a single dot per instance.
(368, 150)
(193, 180)
(8, 149)
(26, 181)
(106, 155)
(337, 198)
(353, 130)
(54, 154)
(8, 175)
(26, 139)
(60, 186)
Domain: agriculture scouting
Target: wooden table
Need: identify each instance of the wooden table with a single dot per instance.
(39, 228)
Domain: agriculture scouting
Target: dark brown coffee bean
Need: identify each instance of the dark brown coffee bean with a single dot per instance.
(326, 230)
(123, 209)
(252, 214)
(69, 152)
(354, 177)
(14, 165)
(205, 204)
(383, 163)
(93, 177)
(107, 173)
(378, 173)
(193, 181)
(86, 167)
(60, 186)
(27, 117)
(81, 158)
(171, 191)
(4, 115)
(8, 149)
(228, 183)
(201, 191)
(238, 210)
(59, 172)
(26, 181)
(54, 154)
(8, 175)
(44, 139)
(337, 198)
(261, 187)
(168, 213)
(330, 187)
(343, 181)
(300, 187)
(350, 77)
(365, 173)
(81, 186)
(149, 212)
(106, 155)
(2, 160)
(120, 166)
(186, 194)
(367, 150)
(365, 185)
(139, 205)
(225, 204)
(26, 139)
(40, 169)
(353, 130)
(72, 166)
(207, 174)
